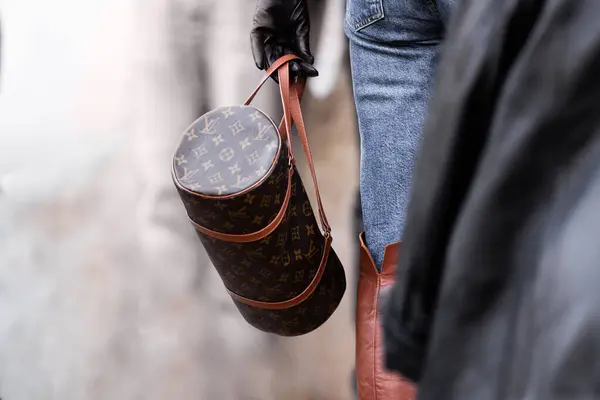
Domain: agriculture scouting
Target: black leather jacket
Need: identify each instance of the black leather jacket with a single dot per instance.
(498, 285)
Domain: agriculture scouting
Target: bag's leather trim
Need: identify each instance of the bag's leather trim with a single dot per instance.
(302, 296)
(258, 235)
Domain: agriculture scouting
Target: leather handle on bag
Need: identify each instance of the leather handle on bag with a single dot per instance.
(272, 69)
(290, 97)
(284, 89)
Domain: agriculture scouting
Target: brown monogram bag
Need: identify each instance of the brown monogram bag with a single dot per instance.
(236, 175)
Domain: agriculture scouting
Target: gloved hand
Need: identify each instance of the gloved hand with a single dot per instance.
(282, 27)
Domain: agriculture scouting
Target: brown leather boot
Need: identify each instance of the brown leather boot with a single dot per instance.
(373, 381)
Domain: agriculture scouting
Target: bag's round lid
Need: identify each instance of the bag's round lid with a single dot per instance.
(227, 151)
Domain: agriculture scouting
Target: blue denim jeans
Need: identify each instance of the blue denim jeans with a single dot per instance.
(394, 47)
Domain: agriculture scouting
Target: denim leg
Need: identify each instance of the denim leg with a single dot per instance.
(394, 46)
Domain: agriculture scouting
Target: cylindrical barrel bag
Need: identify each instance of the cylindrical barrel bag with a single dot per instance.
(235, 172)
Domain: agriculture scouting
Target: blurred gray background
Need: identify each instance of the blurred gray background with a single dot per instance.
(105, 292)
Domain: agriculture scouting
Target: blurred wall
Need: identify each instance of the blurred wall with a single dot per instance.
(105, 293)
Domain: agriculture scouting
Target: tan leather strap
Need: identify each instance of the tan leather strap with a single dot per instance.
(284, 89)
(310, 289)
(258, 235)
(296, 93)
(272, 69)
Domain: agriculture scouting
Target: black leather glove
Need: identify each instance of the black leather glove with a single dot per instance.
(282, 27)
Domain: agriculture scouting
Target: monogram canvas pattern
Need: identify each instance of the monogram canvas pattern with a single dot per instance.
(307, 316)
(279, 266)
(226, 151)
(247, 213)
